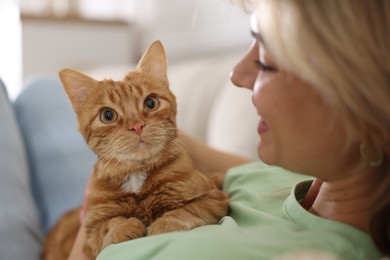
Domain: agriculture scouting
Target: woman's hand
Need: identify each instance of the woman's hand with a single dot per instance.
(77, 252)
(84, 206)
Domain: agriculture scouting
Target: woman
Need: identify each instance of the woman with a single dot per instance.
(320, 76)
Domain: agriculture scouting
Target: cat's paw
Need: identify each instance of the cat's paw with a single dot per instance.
(167, 224)
(122, 229)
(217, 178)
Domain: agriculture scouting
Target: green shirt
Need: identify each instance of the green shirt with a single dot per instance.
(265, 220)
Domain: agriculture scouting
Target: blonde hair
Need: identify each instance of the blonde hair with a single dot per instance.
(341, 47)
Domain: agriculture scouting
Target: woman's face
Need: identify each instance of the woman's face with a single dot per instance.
(297, 130)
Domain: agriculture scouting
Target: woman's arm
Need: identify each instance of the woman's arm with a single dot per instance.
(207, 159)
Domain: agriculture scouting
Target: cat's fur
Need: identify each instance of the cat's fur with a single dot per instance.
(144, 182)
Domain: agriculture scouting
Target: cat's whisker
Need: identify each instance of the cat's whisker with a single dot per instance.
(109, 155)
(106, 154)
(170, 144)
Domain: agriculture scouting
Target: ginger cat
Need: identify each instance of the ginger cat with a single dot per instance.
(144, 182)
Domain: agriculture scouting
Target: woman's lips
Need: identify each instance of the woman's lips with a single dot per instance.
(262, 127)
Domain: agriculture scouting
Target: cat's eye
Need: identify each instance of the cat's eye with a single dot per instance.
(108, 115)
(151, 103)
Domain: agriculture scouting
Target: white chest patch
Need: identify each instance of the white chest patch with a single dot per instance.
(134, 182)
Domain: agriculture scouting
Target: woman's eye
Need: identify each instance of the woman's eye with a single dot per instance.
(263, 67)
(108, 115)
(151, 103)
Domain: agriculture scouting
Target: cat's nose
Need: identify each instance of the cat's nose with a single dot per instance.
(137, 127)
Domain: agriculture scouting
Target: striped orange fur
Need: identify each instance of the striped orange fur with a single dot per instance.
(143, 182)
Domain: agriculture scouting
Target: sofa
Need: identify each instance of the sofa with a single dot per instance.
(44, 162)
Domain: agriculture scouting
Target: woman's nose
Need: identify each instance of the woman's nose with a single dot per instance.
(245, 72)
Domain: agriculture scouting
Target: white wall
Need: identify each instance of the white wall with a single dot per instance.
(188, 29)
(192, 28)
(49, 45)
(10, 47)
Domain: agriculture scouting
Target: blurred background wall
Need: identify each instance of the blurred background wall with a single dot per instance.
(10, 46)
(87, 34)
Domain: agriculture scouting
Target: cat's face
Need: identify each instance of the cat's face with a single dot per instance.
(132, 119)
(128, 120)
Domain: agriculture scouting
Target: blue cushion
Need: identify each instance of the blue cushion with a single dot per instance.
(59, 159)
(19, 225)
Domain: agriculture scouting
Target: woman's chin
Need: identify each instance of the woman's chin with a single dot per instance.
(265, 156)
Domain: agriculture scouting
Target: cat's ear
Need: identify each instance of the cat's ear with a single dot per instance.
(154, 62)
(77, 86)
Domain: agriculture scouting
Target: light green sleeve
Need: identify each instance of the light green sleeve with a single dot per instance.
(265, 221)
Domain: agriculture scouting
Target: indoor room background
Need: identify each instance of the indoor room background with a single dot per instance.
(44, 36)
